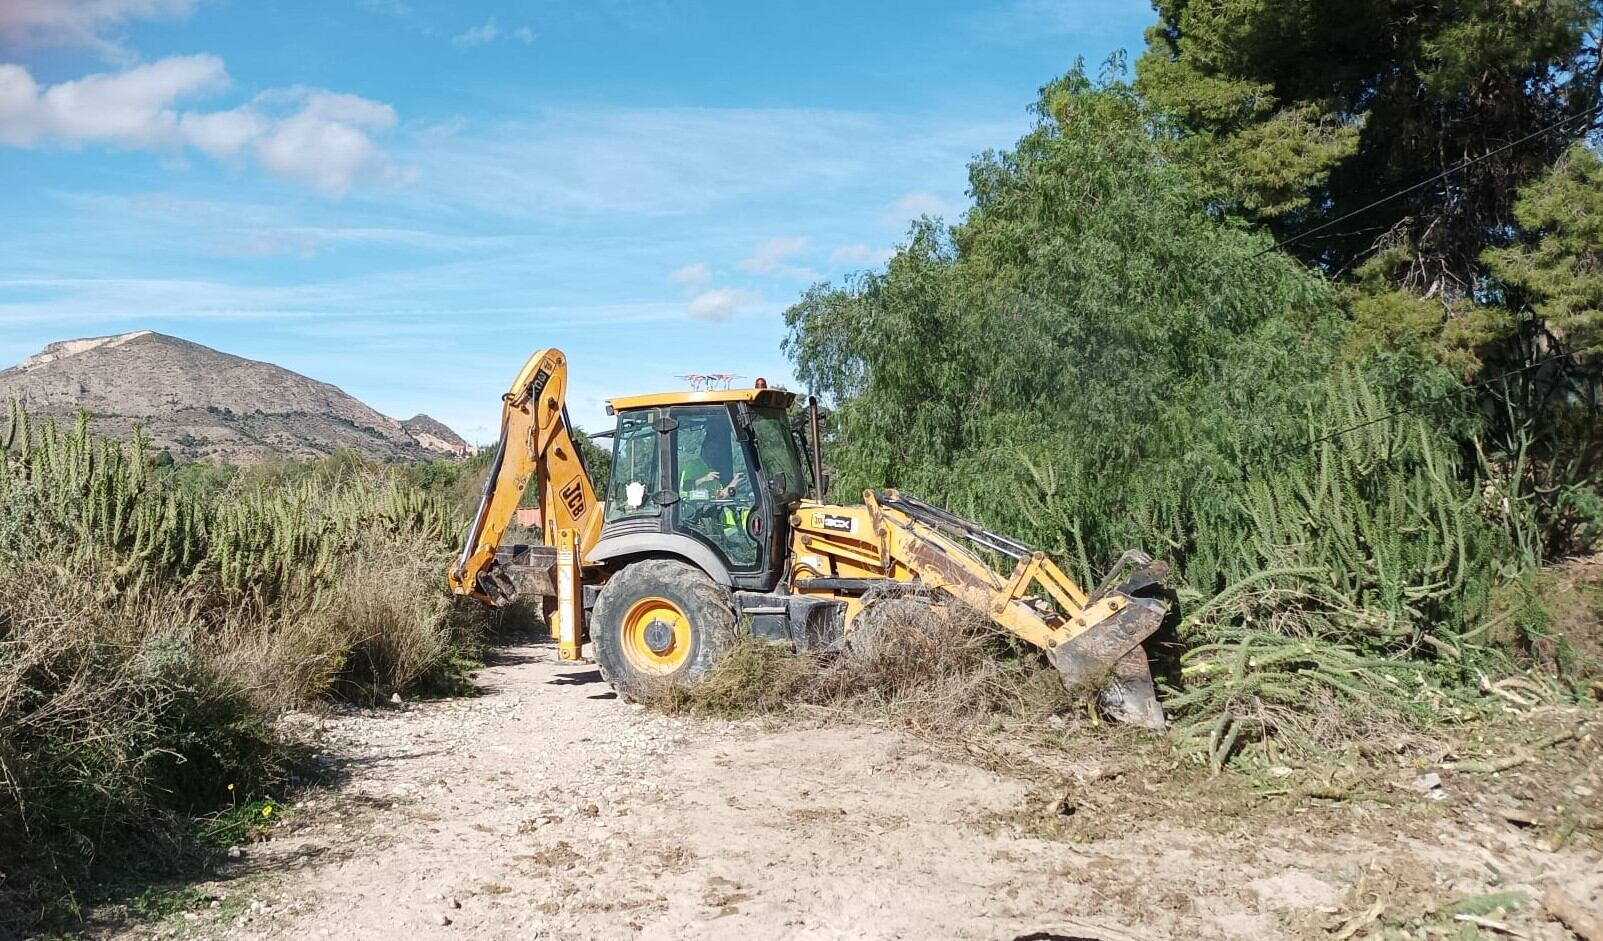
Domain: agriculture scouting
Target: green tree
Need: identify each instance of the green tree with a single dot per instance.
(1558, 263)
(1094, 358)
(1082, 355)
(1551, 420)
(1292, 113)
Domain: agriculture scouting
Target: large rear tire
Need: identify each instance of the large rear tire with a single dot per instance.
(659, 623)
(886, 625)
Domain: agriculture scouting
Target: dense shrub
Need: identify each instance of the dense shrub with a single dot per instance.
(1095, 357)
(153, 621)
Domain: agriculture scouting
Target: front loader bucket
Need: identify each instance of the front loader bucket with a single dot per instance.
(1109, 654)
(1094, 640)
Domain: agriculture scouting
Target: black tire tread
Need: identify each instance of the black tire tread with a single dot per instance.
(705, 603)
(889, 621)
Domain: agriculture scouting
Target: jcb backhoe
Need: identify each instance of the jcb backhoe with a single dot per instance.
(715, 521)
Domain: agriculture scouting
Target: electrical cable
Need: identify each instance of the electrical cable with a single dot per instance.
(1478, 384)
(1292, 240)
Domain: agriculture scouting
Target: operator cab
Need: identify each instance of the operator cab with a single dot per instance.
(713, 473)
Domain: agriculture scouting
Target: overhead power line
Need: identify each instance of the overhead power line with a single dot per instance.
(1464, 165)
(1275, 456)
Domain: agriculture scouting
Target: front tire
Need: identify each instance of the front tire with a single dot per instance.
(659, 623)
(887, 626)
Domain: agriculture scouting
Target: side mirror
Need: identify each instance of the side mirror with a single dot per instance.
(779, 484)
(823, 487)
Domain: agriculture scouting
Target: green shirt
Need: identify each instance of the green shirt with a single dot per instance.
(692, 469)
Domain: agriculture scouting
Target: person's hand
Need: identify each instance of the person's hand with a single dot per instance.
(736, 481)
(709, 477)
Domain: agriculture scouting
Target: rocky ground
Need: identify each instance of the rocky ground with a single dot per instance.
(546, 808)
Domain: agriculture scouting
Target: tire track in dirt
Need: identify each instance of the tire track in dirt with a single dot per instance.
(545, 807)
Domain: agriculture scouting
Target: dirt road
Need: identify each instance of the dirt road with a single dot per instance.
(546, 808)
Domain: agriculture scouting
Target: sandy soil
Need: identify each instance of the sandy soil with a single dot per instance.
(546, 808)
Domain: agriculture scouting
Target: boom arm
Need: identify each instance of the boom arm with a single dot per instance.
(536, 445)
(1094, 641)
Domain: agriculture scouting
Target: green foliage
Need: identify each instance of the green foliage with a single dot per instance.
(1078, 358)
(597, 459)
(206, 478)
(153, 620)
(1432, 160)
(1095, 359)
(239, 544)
(1295, 695)
(1548, 415)
(1559, 263)
(1490, 903)
(1293, 113)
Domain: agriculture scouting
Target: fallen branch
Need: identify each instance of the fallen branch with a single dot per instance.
(1319, 792)
(1573, 914)
(1361, 922)
(1508, 694)
(1521, 756)
(1488, 924)
(1080, 929)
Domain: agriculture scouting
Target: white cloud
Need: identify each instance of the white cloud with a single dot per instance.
(721, 303)
(682, 161)
(769, 259)
(860, 254)
(131, 109)
(489, 32)
(697, 275)
(325, 144)
(477, 35)
(221, 134)
(80, 22)
(311, 136)
(918, 203)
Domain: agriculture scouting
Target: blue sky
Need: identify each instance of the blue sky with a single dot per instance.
(405, 198)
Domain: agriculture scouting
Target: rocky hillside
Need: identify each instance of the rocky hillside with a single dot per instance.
(197, 402)
(435, 436)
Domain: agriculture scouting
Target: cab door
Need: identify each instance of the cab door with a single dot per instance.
(720, 500)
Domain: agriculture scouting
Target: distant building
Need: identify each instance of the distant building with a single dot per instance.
(529, 517)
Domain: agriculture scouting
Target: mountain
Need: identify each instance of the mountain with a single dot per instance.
(197, 402)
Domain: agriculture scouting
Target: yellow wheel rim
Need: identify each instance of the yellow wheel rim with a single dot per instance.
(656, 636)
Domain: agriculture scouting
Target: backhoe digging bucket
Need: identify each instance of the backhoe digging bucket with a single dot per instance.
(1109, 654)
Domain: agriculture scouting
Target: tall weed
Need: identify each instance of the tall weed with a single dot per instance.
(151, 629)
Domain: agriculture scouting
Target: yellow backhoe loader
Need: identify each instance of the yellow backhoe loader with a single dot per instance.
(715, 520)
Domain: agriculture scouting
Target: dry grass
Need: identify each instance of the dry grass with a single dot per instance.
(114, 730)
(923, 670)
(141, 668)
(124, 717)
(385, 625)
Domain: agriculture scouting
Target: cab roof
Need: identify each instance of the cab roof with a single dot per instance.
(765, 398)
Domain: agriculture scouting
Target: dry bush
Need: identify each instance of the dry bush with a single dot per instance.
(149, 631)
(114, 729)
(384, 625)
(396, 622)
(929, 669)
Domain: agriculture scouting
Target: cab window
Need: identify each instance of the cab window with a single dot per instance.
(634, 481)
(776, 452)
(716, 493)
